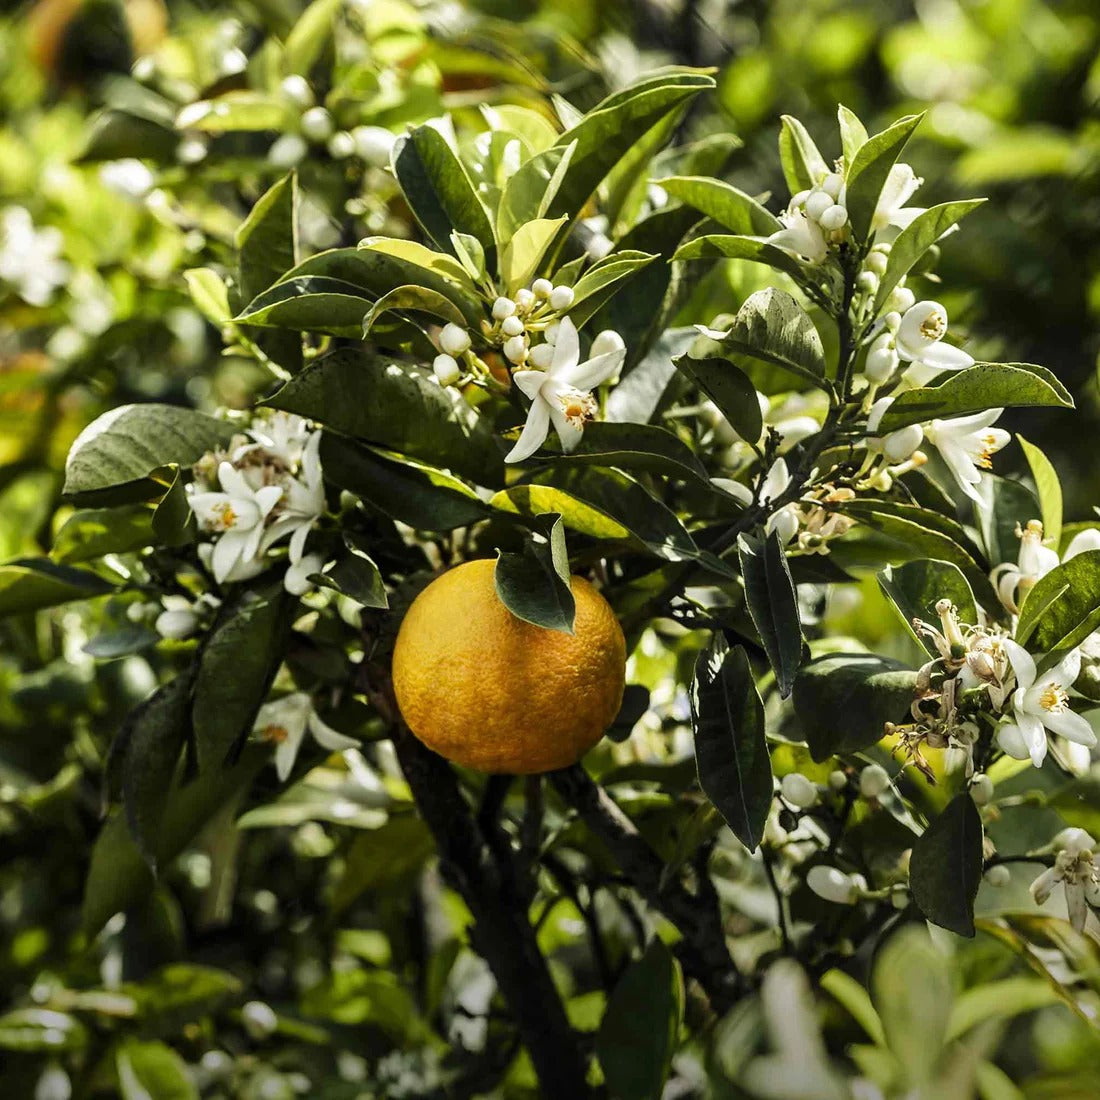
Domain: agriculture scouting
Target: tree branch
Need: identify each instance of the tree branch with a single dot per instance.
(501, 931)
(703, 953)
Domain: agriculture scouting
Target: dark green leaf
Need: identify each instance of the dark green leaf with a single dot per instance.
(730, 389)
(720, 246)
(173, 521)
(1049, 488)
(108, 645)
(1063, 608)
(309, 36)
(124, 446)
(602, 280)
(29, 584)
(773, 327)
(641, 1025)
(266, 238)
(356, 575)
(1007, 505)
(843, 700)
(413, 299)
(535, 584)
(237, 663)
(731, 751)
(380, 857)
(917, 586)
(118, 135)
(867, 172)
(945, 869)
(93, 532)
(634, 447)
(310, 303)
(527, 194)
(976, 389)
(773, 604)
(724, 203)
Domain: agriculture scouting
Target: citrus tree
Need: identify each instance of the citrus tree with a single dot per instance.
(507, 472)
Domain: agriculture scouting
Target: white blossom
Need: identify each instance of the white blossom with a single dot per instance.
(901, 184)
(832, 884)
(801, 235)
(1078, 872)
(1033, 562)
(967, 444)
(30, 259)
(919, 342)
(302, 503)
(286, 721)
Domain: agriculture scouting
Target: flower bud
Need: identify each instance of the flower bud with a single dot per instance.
(191, 150)
(341, 145)
(317, 124)
(832, 184)
(297, 90)
(259, 1019)
(998, 876)
(515, 349)
(834, 218)
(541, 288)
(798, 790)
(525, 299)
(901, 299)
(454, 339)
(296, 579)
(837, 780)
(287, 151)
(867, 281)
(176, 624)
(541, 356)
(512, 326)
(892, 321)
(503, 307)
(873, 781)
(561, 297)
(881, 364)
(607, 341)
(834, 885)
(446, 369)
(876, 262)
(981, 789)
(373, 144)
(53, 1084)
(899, 445)
(817, 204)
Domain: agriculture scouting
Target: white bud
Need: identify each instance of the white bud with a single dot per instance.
(873, 781)
(137, 612)
(834, 885)
(561, 297)
(892, 321)
(817, 204)
(176, 624)
(296, 579)
(998, 876)
(798, 790)
(341, 145)
(373, 144)
(876, 262)
(515, 349)
(541, 288)
(867, 281)
(981, 789)
(901, 299)
(525, 299)
(446, 369)
(503, 307)
(607, 341)
(881, 364)
(512, 326)
(541, 356)
(297, 90)
(259, 1019)
(191, 150)
(832, 184)
(454, 339)
(837, 780)
(900, 445)
(53, 1084)
(317, 124)
(836, 217)
(287, 151)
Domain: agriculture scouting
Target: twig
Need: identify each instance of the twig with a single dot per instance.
(779, 902)
(704, 954)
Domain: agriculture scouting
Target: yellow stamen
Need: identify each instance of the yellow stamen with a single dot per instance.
(934, 325)
(579, 407)
(1055, 698)
(275, 734)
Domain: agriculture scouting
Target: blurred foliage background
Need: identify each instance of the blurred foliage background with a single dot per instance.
(314, 952)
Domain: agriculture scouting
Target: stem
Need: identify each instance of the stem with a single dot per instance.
(501, 932)
(703, 953)
(784, 931)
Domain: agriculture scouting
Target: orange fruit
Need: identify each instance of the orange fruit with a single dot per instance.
(489, 691)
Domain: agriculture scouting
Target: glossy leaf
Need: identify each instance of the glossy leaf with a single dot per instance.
(1063, 608)
(731, 751)
(720, 246)
(310, 303)
(633, 447)
(730, 389)
(641, 1025)
(522, 257)
(413, 299)
(945, 869)
(535, 584)
(870, 167)
(917, 586)
(527, 194)
(724, 203)
(1007, 505)
(602, 280)
(92, 532)
(844, 700)
(853, 134)
(1049, 488)
(356, 575)
(773, 604)
(975, 389)
(803, 164)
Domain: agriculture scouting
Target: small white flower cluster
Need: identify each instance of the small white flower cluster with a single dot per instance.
(266, 487)
(30, 258)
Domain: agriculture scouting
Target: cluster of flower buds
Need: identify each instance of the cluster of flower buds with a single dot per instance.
(815, 218)
(516, 320)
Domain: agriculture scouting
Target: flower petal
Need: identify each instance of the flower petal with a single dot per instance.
(1070, 725)
(568, 432)
(287, 751)
(1022, 663)
(567, 348)
(534, 432)
(328, 738)
(1034, 735)
(943, 356)
(1011, 740)
(1082, 541)
(589, 375)
(529, 382)
(227, 552)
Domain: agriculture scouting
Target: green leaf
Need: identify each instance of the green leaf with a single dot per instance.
(629, 447)
(1050, 490)
(1063, 608)
(611, 129)
(1002, 999)
(41, 1031)
(976, 389)
(724, 203)
(267, 239)
(413, 299)
(641, 1025)
(1007, 504)
(174, 523)
(853, 134)
(237, 110)
(123, 447)
(210, 294)
(152, 739)
(521, 258)
(438, 190)
(773, 604)
(93, 532)
(843, 700)
(915, 240)
(721, 246)
(527, 194)
(109, 645)
(310, 303)
(310, 35)
(152, 1070)
(408, 412)
(470, 254)
(380, 857)
(730, 389)
(420, 496)
(848, 992)
(535, 585)
(356, 575)
(30, 584)
(731, 751)
(917, 586)
(602, 280)
(237, 664)
(803, 164)
(867, 173)
(945, 869)
(117, 135)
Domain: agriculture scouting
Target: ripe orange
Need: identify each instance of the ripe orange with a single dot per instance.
(492, 692)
